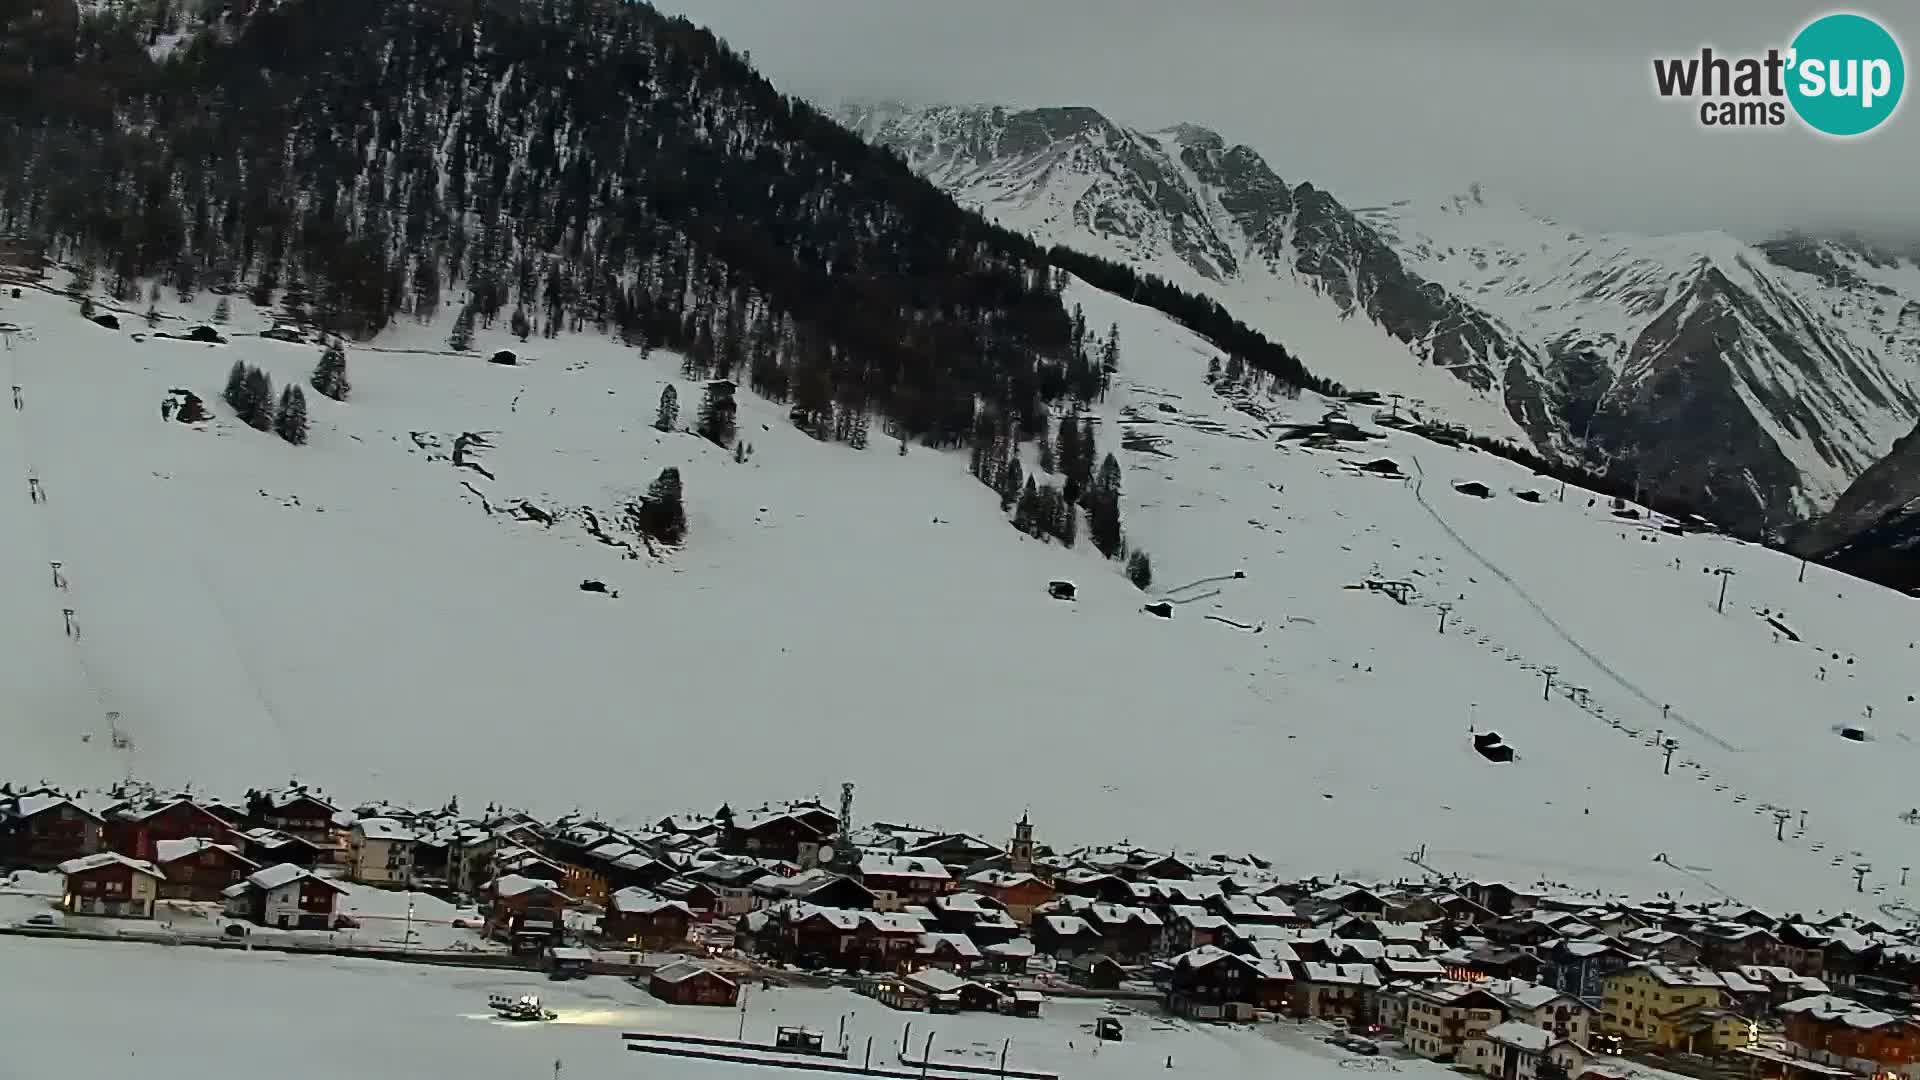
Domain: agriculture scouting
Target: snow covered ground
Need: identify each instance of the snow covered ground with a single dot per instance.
(350, 612)
(314, 1018)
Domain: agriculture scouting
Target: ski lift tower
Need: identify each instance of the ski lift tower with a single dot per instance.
(844, 860)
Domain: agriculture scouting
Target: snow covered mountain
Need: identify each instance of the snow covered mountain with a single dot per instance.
(367, 614)
(1753, 381)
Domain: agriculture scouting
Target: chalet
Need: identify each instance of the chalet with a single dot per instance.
(1660, 946)
(1500, 898)
(1839, 1033)
(1782, 984)
(528, 913)
(1213, 984)
(953, 849)
(380, 851)
(1849, 954)
(817, 937)
(1443, 1016)
(286, 896)
(1733, 944)
(199, 869)
(1352, 900)
(792, 835)
(949, 952)
(731, 879)
(1018, 893)
(1487, 962)
(1009, 957)
(110, 884)
(1514, 1050)
(1096, 971)
(1128, 934)
(295, 810)
(1804, 948)
(979, 917)
(821, 888)
(1243, 910)
(1554, 1011)
(133, 829)
(42, 830)
(1580, 968)
(899, 880)
(932, 990)
(1189, 927)
(270, 847)
(1337, 991)
(647, 920)
(1095, 885)
(688, 983)
(701, 897)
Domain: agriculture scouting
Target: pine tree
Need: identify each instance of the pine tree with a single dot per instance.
(461, 338)
(663, 513)
(256, 400)
(1140, 570)
(1103, 508)
(1026, 514)
(1067, 446)
(1109, 358)
(1010, 482)
(857, 429)
(903, 442)
(330, 374)
(290, 420)
(1069, 530)
(1045, 442)
(521, 328)
(740, 450)
(236, 385)
(1236, 369)
(667, 416)
(153, 315)
(1213, 369)
(716, 422)
(222, 311)
(86, 307)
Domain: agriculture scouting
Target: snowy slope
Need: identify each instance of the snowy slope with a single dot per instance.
(1754, 381)
(350, 612)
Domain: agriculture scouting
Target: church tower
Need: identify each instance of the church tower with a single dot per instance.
(1021, 851)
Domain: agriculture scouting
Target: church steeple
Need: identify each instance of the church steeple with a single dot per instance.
(1021, 851)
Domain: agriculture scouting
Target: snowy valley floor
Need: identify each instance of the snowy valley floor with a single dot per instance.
(361, 614)
(185, 1012)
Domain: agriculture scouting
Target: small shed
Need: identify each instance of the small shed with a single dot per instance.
(688, 983)
(108, 320)
(1161, 608)
(1853, 732)
(1382, 467)
(1060, 590)
(568, 961)
(1474, 488)
(504, 356)
(207, 334)
(1024, 1003)
(1527, 495)
(1096, 971)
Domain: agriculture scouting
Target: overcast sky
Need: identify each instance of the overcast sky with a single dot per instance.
(1548, 100)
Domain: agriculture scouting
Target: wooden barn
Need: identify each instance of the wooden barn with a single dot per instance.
(688, 983)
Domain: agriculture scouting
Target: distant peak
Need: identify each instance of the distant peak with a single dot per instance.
(1195, 135)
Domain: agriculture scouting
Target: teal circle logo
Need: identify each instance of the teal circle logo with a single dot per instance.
(1847, 74)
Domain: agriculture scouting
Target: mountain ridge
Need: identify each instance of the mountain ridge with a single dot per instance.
(1696, 366)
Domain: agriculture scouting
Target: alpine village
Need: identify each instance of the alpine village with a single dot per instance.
(1499, 979)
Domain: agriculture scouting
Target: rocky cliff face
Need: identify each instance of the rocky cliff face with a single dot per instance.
(1756, 381)
(1874, 529)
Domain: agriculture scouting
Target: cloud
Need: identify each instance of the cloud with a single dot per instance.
(1377, 99)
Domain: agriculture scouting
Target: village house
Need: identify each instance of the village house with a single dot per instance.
(110, 884)
(1501, 898)
(1338, 991)
(897, 881)
(1009, 957)
(298, 811)
(1350, 900)
(1782, 984)
(1188, 927)
(732, 881)
(1128, 934)
(134, 828)
(820, 888)
(380, 852)
(1514, 1050)
(42, 830)
(1019, 893)
(1662, 1005)
(1441, 1017)
(199, 869)
(1242, 909)
(641, 919)
(1096, 971)
(527, 913)
(979, 917)
(1843, 1034)
(948, 952)
(1660, 946)
(285, 896)
(1093, 884)
(1804, 949)
(1213, 984)
(793, 835)
(1580, 968)
(815, 937)
(1556, 1012)
(271, 847)
(688, 983)
(931, 990)
(1735, 944)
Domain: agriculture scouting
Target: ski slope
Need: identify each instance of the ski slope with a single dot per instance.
(350, 612)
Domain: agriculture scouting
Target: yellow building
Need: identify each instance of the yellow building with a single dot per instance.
(1676, 1008)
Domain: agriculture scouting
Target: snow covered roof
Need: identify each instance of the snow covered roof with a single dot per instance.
(515, 885)
(1522, 994)
(637, 901)
(570, 952)
(1002, 879)
(683, 970)
(384, 829)
(1828, 1008)
(1412, 967)
(1344, 974)
(1668, 975)
(110, 858)
(1069, 925)
(959, 943)
(286, 797)
(969, 902)
(1740, 984)
(936, 981)
(27, 806)
(273, 877)
(1017, 949)
(1523, 1036)
(166, 851)
(903, 866)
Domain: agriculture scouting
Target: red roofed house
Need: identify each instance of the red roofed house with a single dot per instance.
(287, 896)
(1846, 1034)
(39, 832)
(526, 912)
(199, 869)
(110, 884)
(1018, 893)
